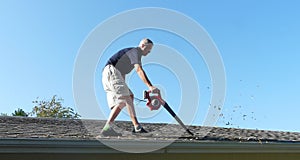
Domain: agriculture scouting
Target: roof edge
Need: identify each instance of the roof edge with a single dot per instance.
(95, 146)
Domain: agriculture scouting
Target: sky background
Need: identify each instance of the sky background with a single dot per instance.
(258, 41)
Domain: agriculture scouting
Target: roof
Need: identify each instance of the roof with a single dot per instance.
(27, 127)
(75, 132)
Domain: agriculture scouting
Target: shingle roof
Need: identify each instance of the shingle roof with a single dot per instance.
(50, 128)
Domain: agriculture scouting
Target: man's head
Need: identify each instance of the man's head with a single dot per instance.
(146, 46)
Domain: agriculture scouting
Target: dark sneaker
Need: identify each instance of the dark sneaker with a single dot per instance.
(140, 130)
(110, 132)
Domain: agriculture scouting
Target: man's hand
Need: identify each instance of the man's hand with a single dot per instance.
(154, 89)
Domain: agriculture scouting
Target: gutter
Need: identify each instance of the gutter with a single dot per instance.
(12, 145)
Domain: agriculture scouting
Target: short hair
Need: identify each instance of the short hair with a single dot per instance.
(149, 41)
(146, 41)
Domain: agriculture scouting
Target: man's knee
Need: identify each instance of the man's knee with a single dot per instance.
(120, 105)
(128, 100)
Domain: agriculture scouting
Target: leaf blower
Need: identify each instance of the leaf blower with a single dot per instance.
(155, 101)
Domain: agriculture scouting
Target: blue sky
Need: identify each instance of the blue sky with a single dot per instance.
(257, 40)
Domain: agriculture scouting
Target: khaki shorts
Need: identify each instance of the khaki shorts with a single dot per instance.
(114, 86)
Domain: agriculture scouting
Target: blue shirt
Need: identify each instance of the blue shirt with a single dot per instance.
(125, 59)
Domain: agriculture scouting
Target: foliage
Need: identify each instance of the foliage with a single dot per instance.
(3, 114)
(53, 108)
(20, 112)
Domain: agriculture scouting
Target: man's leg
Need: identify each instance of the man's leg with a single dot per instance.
(131, 110)
(137, 127)
(107, 129)
(114, 113)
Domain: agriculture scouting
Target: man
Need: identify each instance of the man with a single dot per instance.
(118, 93)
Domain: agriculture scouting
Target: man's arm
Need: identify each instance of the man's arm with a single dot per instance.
(143, 76)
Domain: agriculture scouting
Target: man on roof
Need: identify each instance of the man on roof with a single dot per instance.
(117, 91)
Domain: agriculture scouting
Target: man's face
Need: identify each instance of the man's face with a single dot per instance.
(147, 49)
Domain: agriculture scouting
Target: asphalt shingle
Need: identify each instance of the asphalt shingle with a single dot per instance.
(50, 128)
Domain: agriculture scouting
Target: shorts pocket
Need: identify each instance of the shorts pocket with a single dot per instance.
(120, 87)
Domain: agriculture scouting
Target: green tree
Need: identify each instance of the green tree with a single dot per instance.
(3, 114)
(53, 108)
(20, 112)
